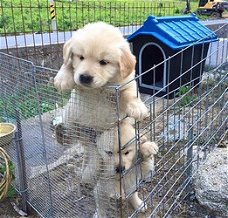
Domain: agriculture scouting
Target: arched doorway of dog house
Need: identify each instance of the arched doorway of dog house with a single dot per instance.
(150, 55)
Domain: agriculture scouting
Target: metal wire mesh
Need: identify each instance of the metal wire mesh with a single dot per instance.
(71, 15)
(186, 127)
(53, 170)
(30, 25)
(187, 123)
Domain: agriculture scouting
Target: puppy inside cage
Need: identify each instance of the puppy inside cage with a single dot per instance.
(94, 111)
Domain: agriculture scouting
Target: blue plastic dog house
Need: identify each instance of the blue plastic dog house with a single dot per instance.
(162, 37)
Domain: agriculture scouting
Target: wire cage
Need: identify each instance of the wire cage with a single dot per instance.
(65, 168)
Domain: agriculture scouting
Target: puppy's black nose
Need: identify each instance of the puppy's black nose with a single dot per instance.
(120, 169)
(85, 79)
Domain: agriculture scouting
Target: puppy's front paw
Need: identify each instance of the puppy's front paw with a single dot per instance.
(143, 207)
(148, 149)
(137, 109)
(64, 79)
(64, 83)
(140, 205)
(137, 203)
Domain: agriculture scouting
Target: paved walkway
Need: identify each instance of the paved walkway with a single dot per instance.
(37, 39)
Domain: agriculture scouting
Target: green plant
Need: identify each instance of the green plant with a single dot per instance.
(11, 191)
(177, 11)
(183, 90)
(185, 95)
(31, 101)
(11, 168)
(4, 20)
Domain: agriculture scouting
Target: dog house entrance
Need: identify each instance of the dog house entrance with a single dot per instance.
(150, 55)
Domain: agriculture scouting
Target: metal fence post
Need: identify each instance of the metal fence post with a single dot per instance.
(21, 162)
(39, 110)
(190, 152)
(52, 14)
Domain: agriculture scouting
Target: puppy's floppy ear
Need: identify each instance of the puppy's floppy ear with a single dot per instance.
(67, 51)
(127, 61)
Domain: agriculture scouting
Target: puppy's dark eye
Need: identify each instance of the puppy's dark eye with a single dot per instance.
(109, 153)
(103, 62)
(126, 153)
(81, 57)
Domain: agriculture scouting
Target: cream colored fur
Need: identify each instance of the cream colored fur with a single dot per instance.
(110, 156)
(99, 50)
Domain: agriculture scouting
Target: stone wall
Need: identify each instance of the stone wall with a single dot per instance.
(50, 56)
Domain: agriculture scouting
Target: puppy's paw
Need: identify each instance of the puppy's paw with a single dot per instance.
(63, 85)
(59, 133)
(64, 79)
(148, 149)
(143, 207)
(137, 109)
(137, 203)
(62, 134)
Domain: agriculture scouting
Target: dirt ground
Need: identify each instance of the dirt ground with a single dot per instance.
(189, 209)
(7, 210)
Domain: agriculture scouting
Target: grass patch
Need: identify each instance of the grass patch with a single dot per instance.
(31, 102)
(186, 96)
(28, 16)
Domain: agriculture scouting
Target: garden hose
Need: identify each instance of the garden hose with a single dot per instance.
(5, 174)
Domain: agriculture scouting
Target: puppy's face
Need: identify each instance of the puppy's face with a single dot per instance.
(124, 158)
(128, 155)
(98, 54)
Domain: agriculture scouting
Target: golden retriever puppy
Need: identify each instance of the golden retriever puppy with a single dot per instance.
(96, 56)
(94, 59)
(134, 162)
